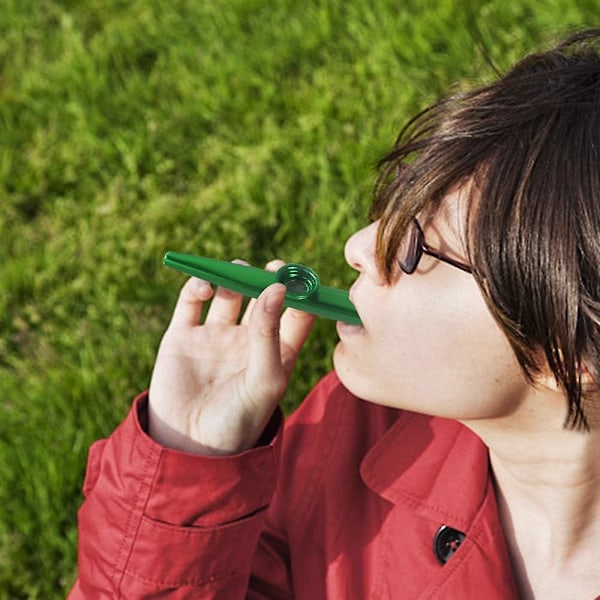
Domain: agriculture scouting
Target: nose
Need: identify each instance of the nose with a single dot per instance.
(360, 251)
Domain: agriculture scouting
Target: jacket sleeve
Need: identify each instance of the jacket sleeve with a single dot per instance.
(161, 523)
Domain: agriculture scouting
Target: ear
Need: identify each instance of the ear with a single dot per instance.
(547, 382)
(591, 410)
(590, 402)
(546, 379)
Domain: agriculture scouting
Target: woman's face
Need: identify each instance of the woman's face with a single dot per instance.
(428, 341)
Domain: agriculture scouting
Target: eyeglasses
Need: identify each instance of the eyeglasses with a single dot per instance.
(413, 246)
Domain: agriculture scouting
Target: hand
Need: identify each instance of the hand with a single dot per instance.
(215, 385)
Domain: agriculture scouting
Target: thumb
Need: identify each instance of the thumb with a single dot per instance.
(266, 376)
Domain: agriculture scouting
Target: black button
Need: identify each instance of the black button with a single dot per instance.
(446, 543)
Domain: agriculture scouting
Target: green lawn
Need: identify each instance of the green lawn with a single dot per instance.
(246, 128)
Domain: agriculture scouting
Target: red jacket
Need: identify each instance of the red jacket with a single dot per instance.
(344, 502)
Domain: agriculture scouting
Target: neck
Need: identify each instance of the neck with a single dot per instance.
(548, 488)
(556, 490)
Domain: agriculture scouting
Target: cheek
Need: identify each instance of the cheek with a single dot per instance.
(389, 351)
(447, 358)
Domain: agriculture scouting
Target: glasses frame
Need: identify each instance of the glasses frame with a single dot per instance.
(421, 247)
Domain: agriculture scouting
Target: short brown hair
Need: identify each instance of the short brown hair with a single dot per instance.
(530, 142)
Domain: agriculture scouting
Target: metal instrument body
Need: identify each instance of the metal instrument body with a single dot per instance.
(304, 290)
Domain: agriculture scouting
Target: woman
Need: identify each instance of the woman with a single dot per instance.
(455, 450)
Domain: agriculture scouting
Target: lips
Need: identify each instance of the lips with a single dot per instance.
(345, 330)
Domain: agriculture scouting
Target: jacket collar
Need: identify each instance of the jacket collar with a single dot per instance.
(435, 466)
(439, 469)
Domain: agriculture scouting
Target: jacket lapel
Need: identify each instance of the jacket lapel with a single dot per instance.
(439, 470)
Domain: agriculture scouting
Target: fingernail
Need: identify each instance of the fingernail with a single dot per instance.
(202, 287)
(273, 302)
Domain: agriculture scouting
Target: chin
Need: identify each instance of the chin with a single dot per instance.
(352, 378)
(343, 370)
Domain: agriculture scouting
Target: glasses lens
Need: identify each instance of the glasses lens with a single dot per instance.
(410, 249)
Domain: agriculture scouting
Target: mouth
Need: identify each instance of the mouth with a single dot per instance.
(345, 329)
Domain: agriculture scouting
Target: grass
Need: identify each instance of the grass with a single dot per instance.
(245, 128)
